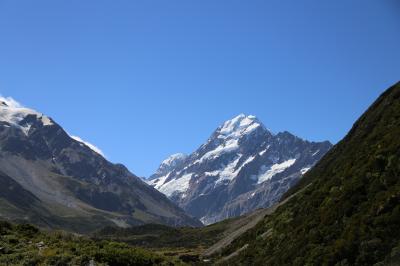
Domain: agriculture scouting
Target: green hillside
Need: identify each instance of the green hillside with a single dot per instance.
(347, 211)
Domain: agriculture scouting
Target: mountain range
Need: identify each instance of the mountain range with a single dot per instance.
(243, 166)
(54, 180)
(345, 210)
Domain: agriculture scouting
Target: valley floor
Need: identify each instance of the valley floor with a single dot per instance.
(152, 244)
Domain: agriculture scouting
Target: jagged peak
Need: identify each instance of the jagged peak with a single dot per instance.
(239, 125)
(13, 113)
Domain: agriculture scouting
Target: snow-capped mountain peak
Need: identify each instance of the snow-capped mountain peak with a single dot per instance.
(13, 113)
(238, 126)
(241, 167)
(231, 136)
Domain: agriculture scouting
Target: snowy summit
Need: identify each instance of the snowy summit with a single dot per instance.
(14, 114)
(241, 167)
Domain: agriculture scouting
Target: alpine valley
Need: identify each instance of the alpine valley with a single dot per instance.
(316, 204)
(242, 167)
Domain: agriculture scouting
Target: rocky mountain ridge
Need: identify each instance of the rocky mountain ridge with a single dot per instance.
(241, 167)
(71, 185)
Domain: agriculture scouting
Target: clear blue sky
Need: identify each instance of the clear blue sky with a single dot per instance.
(144, 79)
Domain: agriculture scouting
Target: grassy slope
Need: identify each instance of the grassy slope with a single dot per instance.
(350, 212)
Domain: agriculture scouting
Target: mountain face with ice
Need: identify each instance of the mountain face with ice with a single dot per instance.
(241, 167)
(55, 180)
(169, 164)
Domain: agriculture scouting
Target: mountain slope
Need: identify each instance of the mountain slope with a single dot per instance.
(241, 167)
(71, 185)
(347, 211)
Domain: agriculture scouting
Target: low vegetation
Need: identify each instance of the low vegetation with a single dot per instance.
(24, 244)
(161, 236)
(348, 212)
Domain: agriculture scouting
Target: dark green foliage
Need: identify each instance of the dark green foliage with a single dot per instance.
(26, 245)
(347, 211)
(26, 230)
(189, 258)
(117, 254)
(161, 236)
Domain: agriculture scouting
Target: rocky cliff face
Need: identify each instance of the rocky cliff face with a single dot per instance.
(241, 167)
(70, 182)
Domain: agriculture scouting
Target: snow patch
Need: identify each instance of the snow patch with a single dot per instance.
(158, 182)
(268, 173)
(171, 160)
(251, 128)
(315, 153)
(89, 145)
(238, 126)
(13, 113)
(46, 121)
(226, 147)
(228, 172)
(305, 170)
(176, 185)
(264, 151)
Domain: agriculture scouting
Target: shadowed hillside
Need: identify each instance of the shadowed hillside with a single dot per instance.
(348, 211)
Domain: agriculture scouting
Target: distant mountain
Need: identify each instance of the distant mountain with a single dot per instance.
(241, 167)
(53, 180)
(346, 210)
(169, 165)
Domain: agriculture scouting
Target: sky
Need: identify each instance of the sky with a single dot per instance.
(145, 79)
